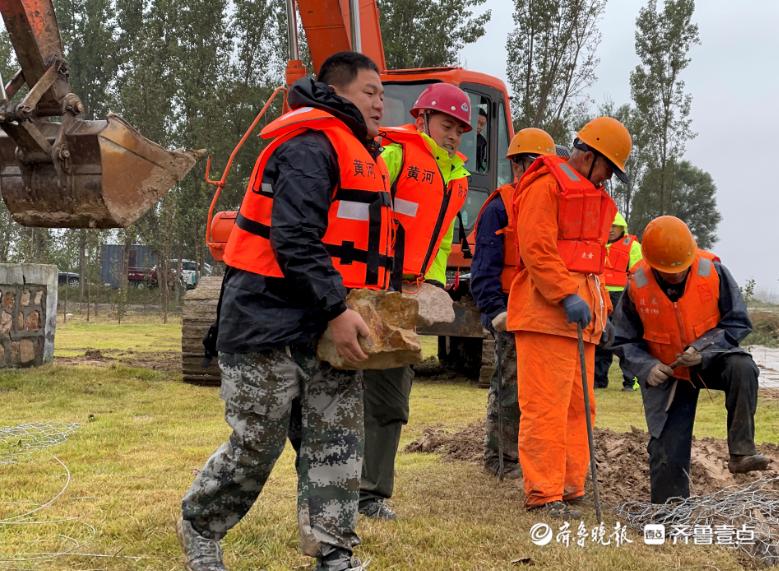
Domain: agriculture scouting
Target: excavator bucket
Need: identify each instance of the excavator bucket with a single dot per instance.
(72, 173)
(114, 174)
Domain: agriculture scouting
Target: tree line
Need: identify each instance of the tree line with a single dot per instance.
(195, 74)
(552, 60)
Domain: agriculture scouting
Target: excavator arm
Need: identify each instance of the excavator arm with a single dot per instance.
(328, 25)
(74, 173)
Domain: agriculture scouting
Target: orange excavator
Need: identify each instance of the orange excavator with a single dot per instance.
(71, 173)
(337, 25)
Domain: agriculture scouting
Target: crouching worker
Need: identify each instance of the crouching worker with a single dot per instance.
(311, 225)
(677, 328)
(494, 266)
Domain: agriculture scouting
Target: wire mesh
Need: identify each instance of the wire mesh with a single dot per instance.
(753, 507)
(19, 441)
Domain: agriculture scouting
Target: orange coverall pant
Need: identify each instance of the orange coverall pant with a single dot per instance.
(553, 448)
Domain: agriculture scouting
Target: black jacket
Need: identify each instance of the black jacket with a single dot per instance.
(259, 312)
(634, 355)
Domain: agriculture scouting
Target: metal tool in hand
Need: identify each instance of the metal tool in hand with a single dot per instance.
(499, 396)
(590, 436)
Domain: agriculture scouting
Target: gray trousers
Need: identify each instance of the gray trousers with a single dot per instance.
(386, 396)
(325, 423)
(670, 454)
(508, 403)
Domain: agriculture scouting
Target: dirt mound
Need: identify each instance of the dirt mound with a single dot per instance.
(94, 355)
(621, 457)
(466, 445)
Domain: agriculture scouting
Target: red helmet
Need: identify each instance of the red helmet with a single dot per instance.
(445, 98)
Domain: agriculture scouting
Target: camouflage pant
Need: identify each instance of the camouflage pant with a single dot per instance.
(266, 395)
(508, 403)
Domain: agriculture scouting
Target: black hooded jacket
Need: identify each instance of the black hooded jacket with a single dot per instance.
(259, 312)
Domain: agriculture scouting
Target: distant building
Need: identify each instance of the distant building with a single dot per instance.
(142, 260)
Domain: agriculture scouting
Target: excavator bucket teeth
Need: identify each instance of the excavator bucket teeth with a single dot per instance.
(112, 176)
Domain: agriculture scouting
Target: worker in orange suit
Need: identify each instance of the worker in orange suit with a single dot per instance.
(563, 216)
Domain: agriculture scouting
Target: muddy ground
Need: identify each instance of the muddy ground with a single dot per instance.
(622, 461)
(163, 361)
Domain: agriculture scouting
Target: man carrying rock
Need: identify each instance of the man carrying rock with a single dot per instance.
(494, 266)
(677, 328)
(315, 220)
(429, 186)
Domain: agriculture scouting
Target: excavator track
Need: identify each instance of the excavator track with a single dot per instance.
(199, 313)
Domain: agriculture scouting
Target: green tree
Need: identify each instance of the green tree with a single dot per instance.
(663, 42)
(87, 28)
(624, 193)
(691, 197)
(428, 33)
(551, 62)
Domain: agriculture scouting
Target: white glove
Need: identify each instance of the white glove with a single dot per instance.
(499, 323)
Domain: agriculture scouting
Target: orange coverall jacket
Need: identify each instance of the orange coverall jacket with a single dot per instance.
(544, 281)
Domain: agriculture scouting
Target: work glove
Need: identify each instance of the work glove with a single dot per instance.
(577, 310)
(499, 322)
(690, 358)
(607, 338)
(659, 374)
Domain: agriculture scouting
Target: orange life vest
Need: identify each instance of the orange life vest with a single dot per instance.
(359, 235)
(509, 233)
(423, 204)
(669, 327)
(584, 216)
(615, 272)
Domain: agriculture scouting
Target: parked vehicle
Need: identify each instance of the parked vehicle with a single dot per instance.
(69, 278)
(190, 274)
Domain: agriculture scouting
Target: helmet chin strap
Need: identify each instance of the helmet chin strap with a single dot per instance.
(592, 167)
(425, 115)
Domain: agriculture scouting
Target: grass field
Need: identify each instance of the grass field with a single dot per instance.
(142, 434)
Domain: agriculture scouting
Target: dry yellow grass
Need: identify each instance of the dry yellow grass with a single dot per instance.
(143, 433)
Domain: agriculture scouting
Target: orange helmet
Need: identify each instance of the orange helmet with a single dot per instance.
(611, 139)
(668, 245)
(531, 141)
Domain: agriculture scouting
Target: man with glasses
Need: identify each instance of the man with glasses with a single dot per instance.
(563, 216)
(493, 269)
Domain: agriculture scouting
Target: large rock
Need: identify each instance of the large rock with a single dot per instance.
(391, 319)
(435, 304)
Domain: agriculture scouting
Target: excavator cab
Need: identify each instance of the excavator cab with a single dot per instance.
(485, 146)
(71, 172)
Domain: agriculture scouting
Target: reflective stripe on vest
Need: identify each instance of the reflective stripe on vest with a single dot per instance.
(584, 217)
(670, 327)
(615, 271)
(359, 235)
(423, 204)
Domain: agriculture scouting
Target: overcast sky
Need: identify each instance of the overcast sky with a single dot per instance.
(734, 82)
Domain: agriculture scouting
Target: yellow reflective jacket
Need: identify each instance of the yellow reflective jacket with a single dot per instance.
(452, 167)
